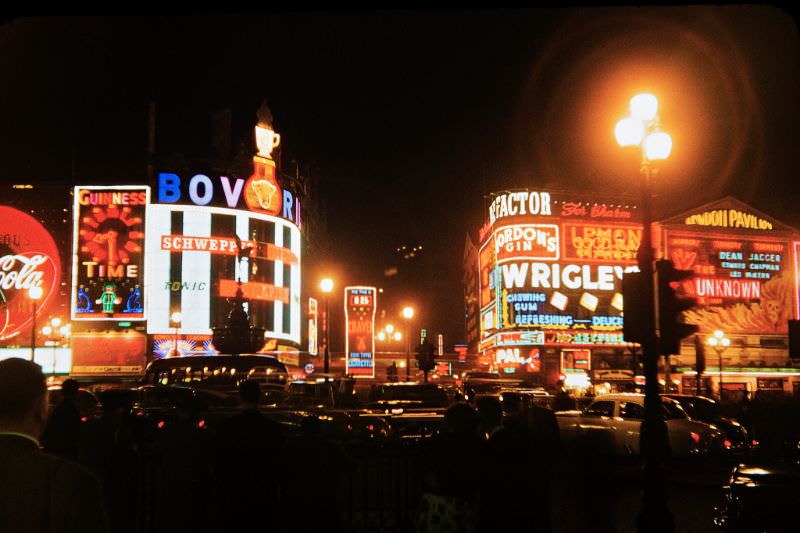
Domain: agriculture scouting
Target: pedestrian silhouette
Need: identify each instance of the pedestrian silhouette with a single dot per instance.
(62, 432)
(449, 499)
(185, 478)
(326, 464)
(248, 464)
(109, 447)
(506, 471)
(563, 401)
(39, 492)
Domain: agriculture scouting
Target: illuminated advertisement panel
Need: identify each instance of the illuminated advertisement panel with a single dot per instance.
(551, 271)
(194, 261)
(108, 277)
(29, 259)
(486, 267)
(359, 310)
(312, 326)
(743, 284)
(108, 353)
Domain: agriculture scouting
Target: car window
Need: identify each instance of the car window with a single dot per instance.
(601, 408)
(672, 409)
(631, 411)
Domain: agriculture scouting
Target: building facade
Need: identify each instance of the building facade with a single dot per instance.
(548, 269)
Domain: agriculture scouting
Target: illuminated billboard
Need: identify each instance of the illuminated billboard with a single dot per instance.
(312, 326)
(108, 277)
(743, 284)
(28, 259)
(745, 278)
(194, 261)
(551, 271)
(108, 353)
(359, 310)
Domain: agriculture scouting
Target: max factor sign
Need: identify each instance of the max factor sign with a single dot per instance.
(520, 203)
(728, 218)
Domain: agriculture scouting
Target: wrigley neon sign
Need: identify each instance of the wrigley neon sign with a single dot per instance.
(554, 276)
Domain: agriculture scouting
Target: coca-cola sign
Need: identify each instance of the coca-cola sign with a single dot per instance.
(28, 258)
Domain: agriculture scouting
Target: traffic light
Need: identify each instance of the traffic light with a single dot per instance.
(633, 303)
(425, 356)
(700, 356)
(794, 339)
(670, 307)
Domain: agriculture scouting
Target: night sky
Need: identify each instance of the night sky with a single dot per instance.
(409, 118)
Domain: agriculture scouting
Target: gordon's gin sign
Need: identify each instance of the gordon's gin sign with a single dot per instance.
(28, 259)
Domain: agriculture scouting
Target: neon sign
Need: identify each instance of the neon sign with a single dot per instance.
(359, 311)
(260, 193)
(537, 275)
(742, 286)
(523, 203)
(601, 242)
(527, 241)
(108, 253)
(28, 258)
(312, 326)
(728, 218)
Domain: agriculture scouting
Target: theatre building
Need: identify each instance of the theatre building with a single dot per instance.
(746, 285)
(546, 298)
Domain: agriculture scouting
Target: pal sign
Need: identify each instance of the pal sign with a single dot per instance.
(232, 193)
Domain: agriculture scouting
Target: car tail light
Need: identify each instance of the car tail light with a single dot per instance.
(726, 443)
(160, 424)
(371, 427)
(754, 443)
(84, 419)
(695, 437)
(201, 424)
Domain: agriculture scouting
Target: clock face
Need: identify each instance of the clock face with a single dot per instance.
(112, 235)
(108, 265)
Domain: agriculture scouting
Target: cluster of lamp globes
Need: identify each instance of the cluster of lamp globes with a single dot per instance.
(642, 129)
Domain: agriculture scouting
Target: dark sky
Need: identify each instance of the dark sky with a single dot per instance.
(410, 117)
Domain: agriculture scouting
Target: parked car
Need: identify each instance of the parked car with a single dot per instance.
(761, 497)
(86, 401)
(617, 418)
(407, 396)
(707, 410)
(222, 373)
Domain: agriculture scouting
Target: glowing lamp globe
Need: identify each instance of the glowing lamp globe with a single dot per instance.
(657, 146)
(644, 107)
(326, 285)
(34, 293)
(629, 132)
(408, 312)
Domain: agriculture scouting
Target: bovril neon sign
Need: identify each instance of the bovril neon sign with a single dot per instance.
(233, 193)
(520, 203)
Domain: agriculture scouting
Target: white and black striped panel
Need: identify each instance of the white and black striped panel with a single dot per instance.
(189, 281)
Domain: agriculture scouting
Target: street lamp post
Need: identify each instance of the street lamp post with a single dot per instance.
(327, 286)
(408, 314)
(175, 318)
(642, 129)
(34, 293)
(55, 332)
(719, 342)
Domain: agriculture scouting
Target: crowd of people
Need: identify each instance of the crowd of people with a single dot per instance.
(59, 473)
(489, 468)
